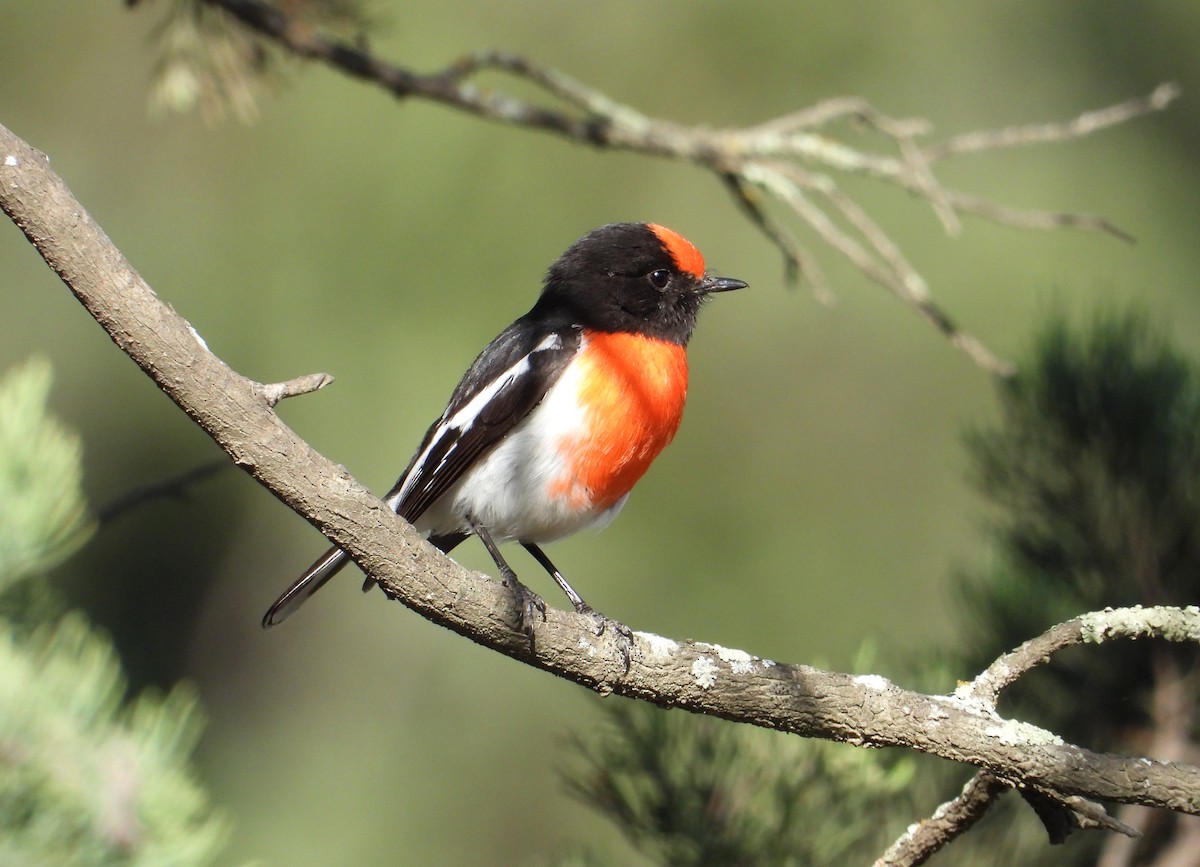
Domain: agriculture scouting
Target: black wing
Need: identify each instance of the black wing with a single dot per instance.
(497, 392)
(500, 388)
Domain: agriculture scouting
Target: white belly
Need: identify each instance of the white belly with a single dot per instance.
(510, 490)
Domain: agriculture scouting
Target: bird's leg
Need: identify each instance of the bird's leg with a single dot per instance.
(625, 635)
(526, 598)
(580, 606)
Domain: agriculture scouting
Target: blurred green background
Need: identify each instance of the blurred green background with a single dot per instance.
(814, 498)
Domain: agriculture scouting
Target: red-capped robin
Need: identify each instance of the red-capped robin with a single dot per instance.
(557, 419)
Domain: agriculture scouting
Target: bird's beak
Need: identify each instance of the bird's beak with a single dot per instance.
(720, 284)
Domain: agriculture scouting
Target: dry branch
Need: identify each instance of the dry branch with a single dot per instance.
(788, 162)
(952, 819)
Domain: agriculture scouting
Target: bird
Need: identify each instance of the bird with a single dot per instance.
(561, 414)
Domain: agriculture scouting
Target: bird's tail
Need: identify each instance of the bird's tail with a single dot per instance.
(306, 585)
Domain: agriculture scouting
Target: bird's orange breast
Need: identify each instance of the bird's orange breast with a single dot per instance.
(631, 390)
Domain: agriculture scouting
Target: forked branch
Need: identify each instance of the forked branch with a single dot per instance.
(921, 840)
(780, 172)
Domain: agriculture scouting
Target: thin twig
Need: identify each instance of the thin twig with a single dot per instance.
(1047, 133)
(798, 263)
(277, 391)
(1168, 624)
(1029, 219)
(922, 840)
(949, 821)
(816, 116)
(176, 488)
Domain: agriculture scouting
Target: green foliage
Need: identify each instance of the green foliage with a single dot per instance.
(688, 789)
(43, 515)
(1095, 468)
(86, 778)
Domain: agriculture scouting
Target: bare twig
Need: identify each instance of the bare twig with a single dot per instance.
(797, 261)
(277, 391)
(1044, 133)
(1024, 219)
(1090, 816)
(175, 488)
(922, 840)
(785, 159)
(1166, 623)
(949, 821)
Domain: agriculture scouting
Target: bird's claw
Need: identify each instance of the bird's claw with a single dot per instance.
(624, 635)
(529, 605)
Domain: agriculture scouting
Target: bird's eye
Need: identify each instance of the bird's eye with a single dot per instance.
(660, 278)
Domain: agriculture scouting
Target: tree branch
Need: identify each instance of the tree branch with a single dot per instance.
(953, 818)
(865, 710)
(174, 488)
(1086, 124)
(950, 820)
(277, 391)
(785, 162)
(1166, 623)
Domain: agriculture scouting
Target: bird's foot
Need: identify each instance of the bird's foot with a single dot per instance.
(603, 623)
(529, 606)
